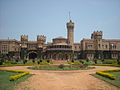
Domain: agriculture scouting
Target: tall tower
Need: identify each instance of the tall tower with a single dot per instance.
(41, 39)
(97, 37)
(70, 33)
(24, 40)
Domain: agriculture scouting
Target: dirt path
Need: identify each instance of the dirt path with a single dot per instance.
(63, 80)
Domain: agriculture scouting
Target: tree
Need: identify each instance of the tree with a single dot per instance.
(24, 61)
(95, 60)
(118, 60)
(87, 60)
(33, 60)
(1, 61)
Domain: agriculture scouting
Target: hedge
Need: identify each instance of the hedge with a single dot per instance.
(42, 63)
(15, 77)
(75, 63)
(105, 74)
(116, 65)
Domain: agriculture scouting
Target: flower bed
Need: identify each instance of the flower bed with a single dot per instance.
(105, 74)
(15, 77)
(60, 67)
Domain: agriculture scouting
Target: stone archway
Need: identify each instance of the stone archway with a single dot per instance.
(32, 55)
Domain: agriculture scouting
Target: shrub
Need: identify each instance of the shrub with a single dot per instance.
(109, 61)
(16, 60)
(1, 61)
(76, 63)
(72, 61)
(114, 70)
(61, 66)
(13, 62)
(95, 61)
(38, 62)
(24, 61)
(33, 60)
(48, 61)
(44, 63)
(81, 61)
(111, 76)
(118, 61)
(83, 66)
(15, 77)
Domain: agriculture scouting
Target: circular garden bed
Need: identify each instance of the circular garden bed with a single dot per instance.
(61, 67)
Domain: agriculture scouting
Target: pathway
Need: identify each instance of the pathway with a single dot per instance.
(63, 80)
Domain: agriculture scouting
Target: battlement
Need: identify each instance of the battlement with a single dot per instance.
(41, 38)
(97, 35)
(24, 37)
(70, 24)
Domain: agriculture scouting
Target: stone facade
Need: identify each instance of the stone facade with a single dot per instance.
(99, 47)
(62, 48)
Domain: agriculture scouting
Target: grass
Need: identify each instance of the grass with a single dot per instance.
(56, 67)
(6, 84)
(117, 74)
(115, 82)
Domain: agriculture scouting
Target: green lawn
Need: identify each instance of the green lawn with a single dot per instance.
(5, 84)
(117, 74)
(115, 82)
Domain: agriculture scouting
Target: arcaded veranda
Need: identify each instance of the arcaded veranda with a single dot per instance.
(63, 80)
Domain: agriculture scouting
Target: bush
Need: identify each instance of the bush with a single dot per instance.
(13, 62)
(48, 61)
(77, 63)
(83, 66)
(44, 63)
(72, 61)
(111, 76)
(118, 61)
(24, 61)
(95, 61)
(61, 66)
(33, 60)
(109, 62)
(15, 77)
(1, 61)
(81, 61)
(38, 62)
(16, 60)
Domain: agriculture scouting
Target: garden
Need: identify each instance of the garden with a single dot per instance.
(61, 67)
(110, 76)
(9, 78)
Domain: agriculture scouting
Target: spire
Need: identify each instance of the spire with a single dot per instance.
(69, 17)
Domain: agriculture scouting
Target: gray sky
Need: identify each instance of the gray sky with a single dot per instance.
(49, 18)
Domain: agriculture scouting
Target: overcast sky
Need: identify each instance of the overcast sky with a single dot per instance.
(49, 18)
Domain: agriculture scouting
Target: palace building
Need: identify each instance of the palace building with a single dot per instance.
(62, 48)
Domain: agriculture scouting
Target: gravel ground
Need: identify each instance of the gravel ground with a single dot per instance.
(63, 80)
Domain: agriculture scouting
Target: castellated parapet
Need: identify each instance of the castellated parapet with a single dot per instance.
(70, 24)
(97, 35)
(24, 37)
(41, 39)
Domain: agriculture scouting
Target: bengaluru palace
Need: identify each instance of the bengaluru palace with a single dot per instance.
(62, 48)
